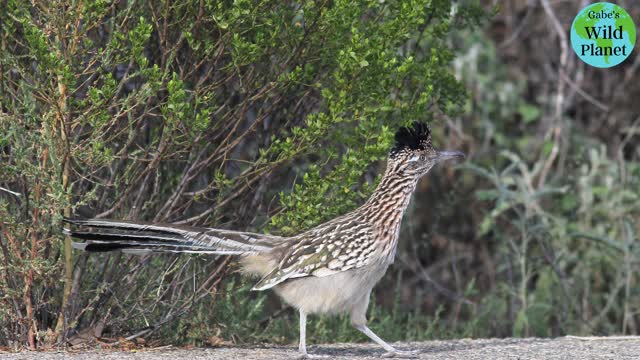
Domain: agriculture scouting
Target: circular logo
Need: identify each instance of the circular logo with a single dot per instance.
(603, 35)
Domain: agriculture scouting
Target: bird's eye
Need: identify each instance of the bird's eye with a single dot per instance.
(423, 158)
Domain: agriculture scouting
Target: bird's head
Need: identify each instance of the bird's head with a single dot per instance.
(413, 152)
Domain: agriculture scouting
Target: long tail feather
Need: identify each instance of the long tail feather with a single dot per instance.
(143, 238)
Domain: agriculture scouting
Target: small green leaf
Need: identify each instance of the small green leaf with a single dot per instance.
(529, 112)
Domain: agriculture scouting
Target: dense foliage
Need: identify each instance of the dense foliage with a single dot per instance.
(244, 114)
(275, 116)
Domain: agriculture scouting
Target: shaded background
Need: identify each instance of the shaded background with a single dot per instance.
(276, 116)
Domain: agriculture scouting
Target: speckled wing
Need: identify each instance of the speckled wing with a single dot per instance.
(333, 247)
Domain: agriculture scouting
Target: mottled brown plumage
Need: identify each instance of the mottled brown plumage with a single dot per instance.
(328, 269)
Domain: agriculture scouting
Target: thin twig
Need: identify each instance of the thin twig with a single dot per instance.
(556, 129)
(583, 93)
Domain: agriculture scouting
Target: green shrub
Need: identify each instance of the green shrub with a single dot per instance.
(243, 114)
(561, 226)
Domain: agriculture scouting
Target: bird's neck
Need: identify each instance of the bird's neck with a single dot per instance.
(389, 201)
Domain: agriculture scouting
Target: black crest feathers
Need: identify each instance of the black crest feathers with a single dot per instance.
(414, 137)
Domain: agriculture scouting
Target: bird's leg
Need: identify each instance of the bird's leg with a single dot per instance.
(359, 321)
(391, 351)
(302, 347)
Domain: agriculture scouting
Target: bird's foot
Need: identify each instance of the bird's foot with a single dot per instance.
(401, 354)
(305, 355)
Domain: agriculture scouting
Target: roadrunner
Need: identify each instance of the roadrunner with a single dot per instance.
(329, 269)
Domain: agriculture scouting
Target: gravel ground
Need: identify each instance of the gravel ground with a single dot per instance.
(560, 348)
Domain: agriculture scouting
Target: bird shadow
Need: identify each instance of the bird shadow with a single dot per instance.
(438, 347)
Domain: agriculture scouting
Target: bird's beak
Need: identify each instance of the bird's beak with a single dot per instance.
(447, 154)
